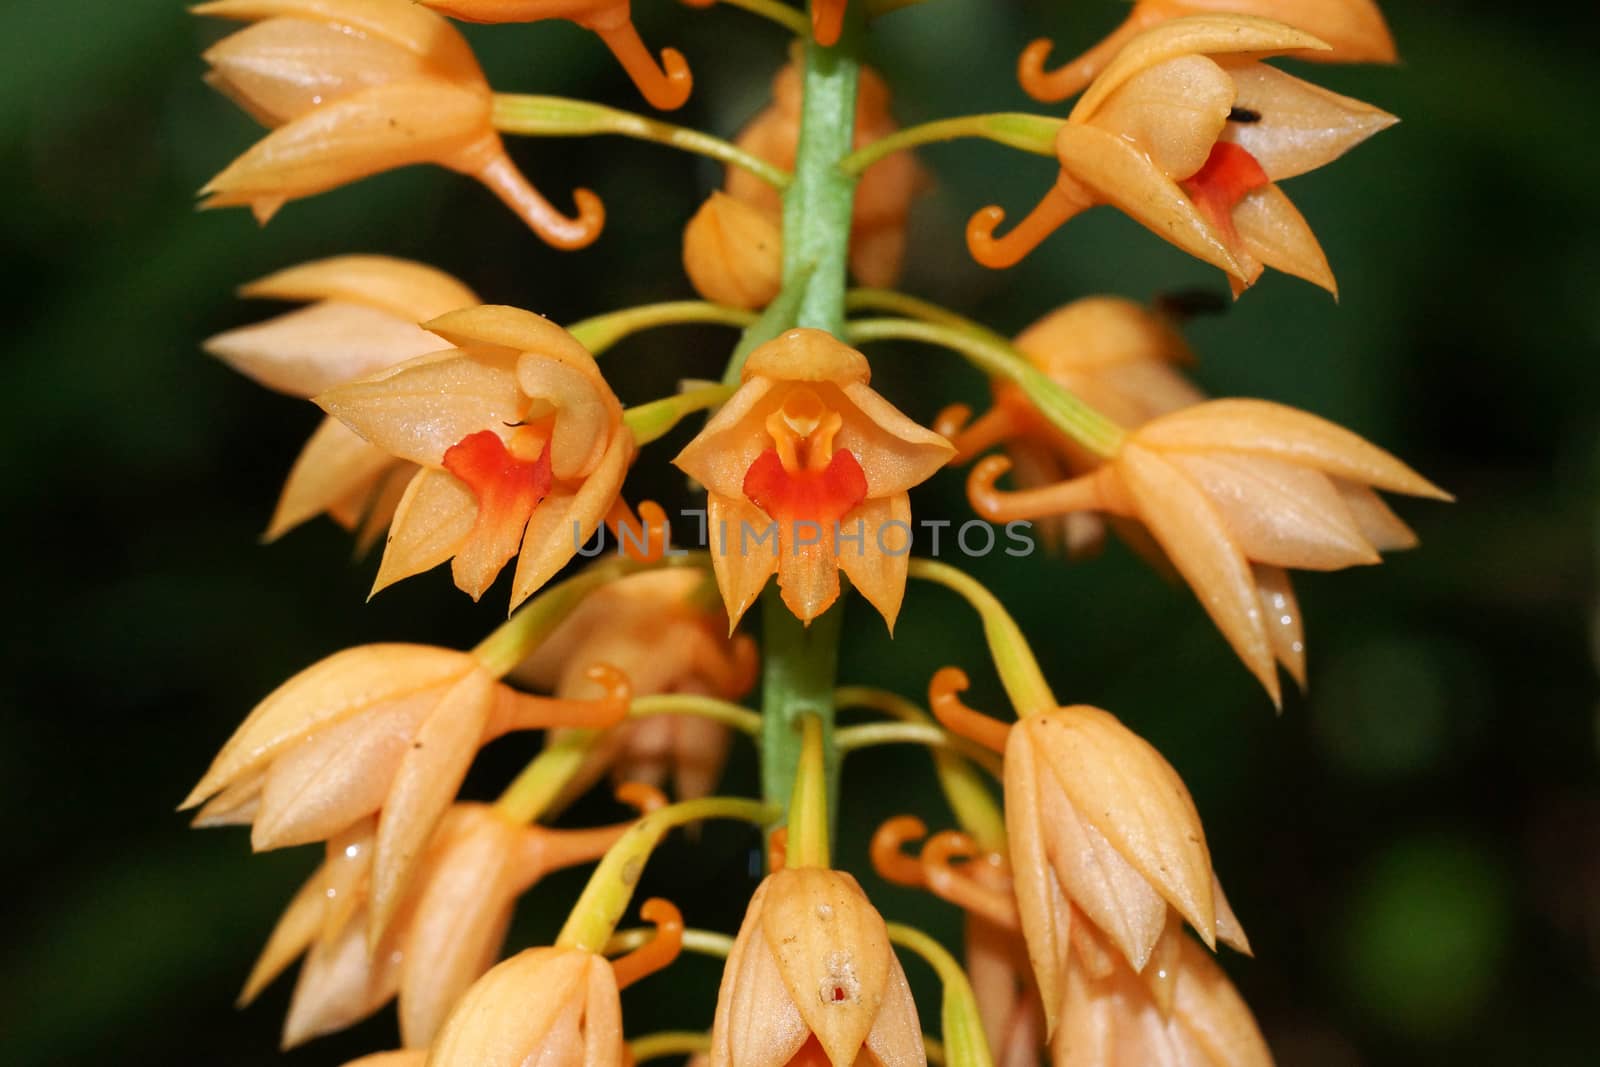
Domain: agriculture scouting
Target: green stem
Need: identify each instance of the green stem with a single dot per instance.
(1015, 129)
(598, 333)
(742, 719)
(994, 356)
(594, 918)
(557, 116)
(798, 668)
(818, 204)
(800, 662)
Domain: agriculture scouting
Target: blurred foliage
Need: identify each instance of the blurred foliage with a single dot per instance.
(1415, 848)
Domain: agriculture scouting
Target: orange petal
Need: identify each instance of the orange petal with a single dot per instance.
(1174, 111)
(744, 551)
(1285, 626)
(370, 131)
(1264, 428)
(1117, 173)
(306, 352)
(1297, 126)
(896, 453)
(405, 289)
(875, 552)
(413, 27)
(340, 984)
(587, 415)
(1042, 906)
(326, 783)
(564, 522)
(1378, 523)
(332, 690)
(1205, 35)
(1278, 513)
(293, 934)
(757, 1023)
(420, 408)
(432, 520)
(281, 68)
(334, 464)
(424, 784)
(1271, 229)
(1123, 787)
(1194, 536)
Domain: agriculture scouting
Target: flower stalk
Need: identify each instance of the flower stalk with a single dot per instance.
(1013, 658)
(525, 115)
(1035, 134)
(601, 332)
(964, 788)
(990, 354)
(801, 661)
(594, 918)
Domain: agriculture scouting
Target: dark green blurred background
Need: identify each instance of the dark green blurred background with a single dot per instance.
(1415, 848)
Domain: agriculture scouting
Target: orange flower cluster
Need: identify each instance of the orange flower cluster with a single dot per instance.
(480, 434)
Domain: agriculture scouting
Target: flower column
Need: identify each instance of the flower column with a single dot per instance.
(800, 660)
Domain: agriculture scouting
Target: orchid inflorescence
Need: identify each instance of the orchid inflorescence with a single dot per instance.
(491, 438)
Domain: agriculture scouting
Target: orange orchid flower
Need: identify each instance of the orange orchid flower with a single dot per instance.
(1098, 824)
(362, 318)
(883, 196)
(1187, 133)
(808, 472)
(666, 85)
(1122, 359)
(658, 630)
(380, 729)
(351, 88)
(447, 933)
(1354, 30)
(520, 441)
(811, 980)
(1234, 492)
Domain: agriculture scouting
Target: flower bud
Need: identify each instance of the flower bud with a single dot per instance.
(812, 965)
(733, 253)
(1098, 821)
